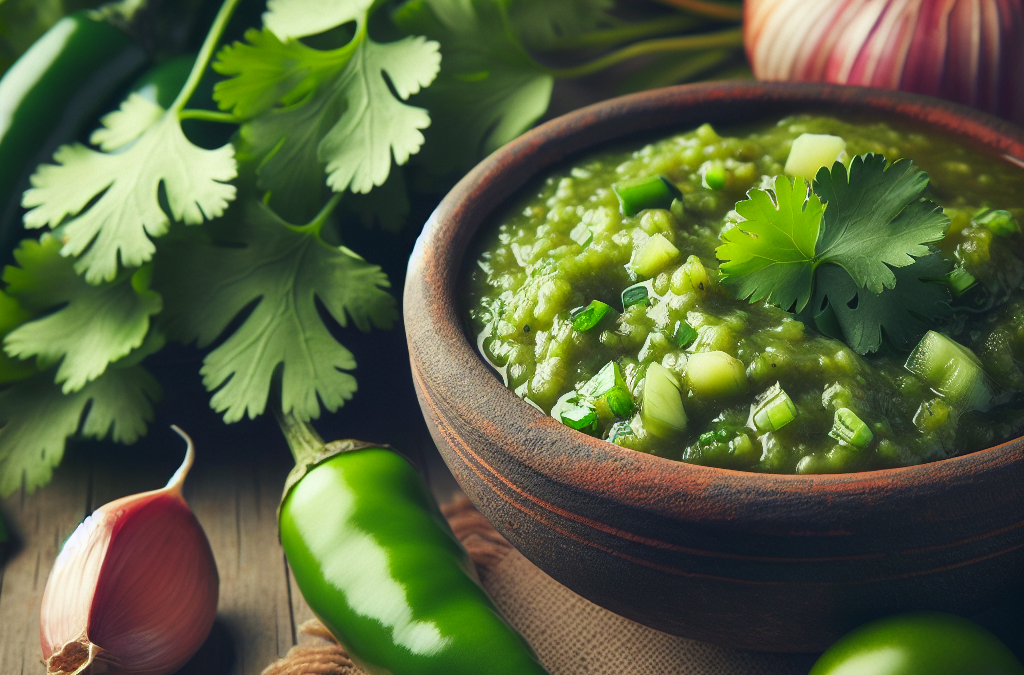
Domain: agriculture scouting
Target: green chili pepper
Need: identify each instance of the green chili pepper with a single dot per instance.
(50, 95)
(379, 566)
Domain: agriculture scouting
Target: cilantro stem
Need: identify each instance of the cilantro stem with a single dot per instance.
(318, 222)
(732, 37)
(709, 9)
(208, 116)
(630, 32)
(205, 54)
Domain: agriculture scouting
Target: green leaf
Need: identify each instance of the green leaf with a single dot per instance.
(489, 90)
(278, 274)
(540, 23)
(124, 125)
(300, 18)
(36, 420)
(113, 200)
(876, 218)
(265, 71)
(12, 315)
(771, 256)
(903, 313)
(88, 327)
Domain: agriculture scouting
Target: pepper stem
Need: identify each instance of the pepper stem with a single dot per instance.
(303, 440)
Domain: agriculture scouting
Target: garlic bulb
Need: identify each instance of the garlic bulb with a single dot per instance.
(969, 51)
(134, 590)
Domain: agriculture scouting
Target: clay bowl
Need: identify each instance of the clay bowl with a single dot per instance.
(761, 562)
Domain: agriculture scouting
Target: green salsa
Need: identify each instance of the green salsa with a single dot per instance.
(619, 326)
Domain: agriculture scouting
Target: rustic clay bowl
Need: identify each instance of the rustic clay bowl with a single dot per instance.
(763, 562)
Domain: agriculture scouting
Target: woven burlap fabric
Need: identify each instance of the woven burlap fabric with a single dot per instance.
(571, 636)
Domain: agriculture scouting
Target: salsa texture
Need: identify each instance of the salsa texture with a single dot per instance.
(587, 313)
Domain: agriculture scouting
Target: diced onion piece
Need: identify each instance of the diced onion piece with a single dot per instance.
(662, 412)
(649, 192)
(811, 152)
(713, 375)
(773, 409)
(653, 256)
(951, 370)
(850, 429)
(585, 318)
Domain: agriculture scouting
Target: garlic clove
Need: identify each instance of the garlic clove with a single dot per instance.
(134, 589)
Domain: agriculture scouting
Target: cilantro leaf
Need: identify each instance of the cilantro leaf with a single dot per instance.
(281, 272)
(772, 254)
(300, 18)
(36, 420)
(903, 313)
(265, 71)
(876, 218)
(489, 90)
(113, 200)
(12, 315)
(93, 325)
(541, 23)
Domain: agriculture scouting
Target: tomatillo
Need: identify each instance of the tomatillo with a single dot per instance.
(926, 643)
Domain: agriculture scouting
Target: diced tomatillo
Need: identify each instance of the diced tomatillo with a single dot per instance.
(662, 412)
(773, 409)
(608, 388)
(850, 429)
(811, 152)
(653, 256)
(713, 375)
(649, 192)
(585, 318)
(952, 370)
(999, 222)
(683, 335)
(637, 294)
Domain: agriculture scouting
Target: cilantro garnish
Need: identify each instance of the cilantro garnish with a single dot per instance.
(92, 327)
(284, 270)
(858, 242)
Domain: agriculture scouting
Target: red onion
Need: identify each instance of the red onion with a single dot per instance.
(969, 51)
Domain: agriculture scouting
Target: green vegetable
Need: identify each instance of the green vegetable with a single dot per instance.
(683, 335)
(850, 429)
(609, 389)
(952, 370)
(714, 177)
(653, 256)
(380, 567)
(811, 152)
(649, 192)
(773, 409)
(715, 375)
(918, 644)
(791, 247)
(578, 414)
(960, 281)
(586, 318)
(662, 411)
(49, 95)
(1000, 222)
(637, 294)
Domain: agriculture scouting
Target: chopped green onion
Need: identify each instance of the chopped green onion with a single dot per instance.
(585, 318)
(683, 335)
(773, 410)
(960, 281)
(951, 370)
(637, 294)
(714, 177)
(999, 222)
(850, 429)
(579, 415)
(608, 388)
(649, 192)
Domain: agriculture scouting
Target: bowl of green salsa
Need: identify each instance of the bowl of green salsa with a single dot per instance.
(741, 362)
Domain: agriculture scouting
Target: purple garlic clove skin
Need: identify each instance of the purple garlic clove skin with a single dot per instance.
(134, 590)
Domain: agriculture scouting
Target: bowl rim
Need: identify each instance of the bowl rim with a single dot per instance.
(437, 264)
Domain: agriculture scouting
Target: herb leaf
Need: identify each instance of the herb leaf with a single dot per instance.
(542, 22)
(280, 273)
(299, 18)
(94, 325)
(126, 189)
(772, 254)
(489, 90)
(876, 219)
(904, 312)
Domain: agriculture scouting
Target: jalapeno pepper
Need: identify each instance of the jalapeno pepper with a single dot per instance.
(49, 95)
(379, 566)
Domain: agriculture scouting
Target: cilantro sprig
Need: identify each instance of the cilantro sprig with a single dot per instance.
(857, 242)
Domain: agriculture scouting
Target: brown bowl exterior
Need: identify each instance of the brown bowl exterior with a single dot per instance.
(753, 561)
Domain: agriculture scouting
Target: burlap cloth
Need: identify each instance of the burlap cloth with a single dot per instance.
(571, 636)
